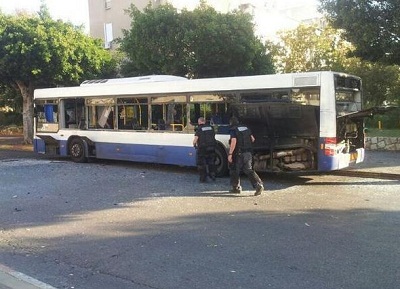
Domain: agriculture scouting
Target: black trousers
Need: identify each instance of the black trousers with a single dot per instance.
(243, 162)
(206, 163)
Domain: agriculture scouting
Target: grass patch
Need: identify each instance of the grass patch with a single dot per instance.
(375, 132)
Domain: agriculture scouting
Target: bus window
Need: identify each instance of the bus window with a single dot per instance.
(306, 96)
(215, 113)
(176, 114)
(47, 117)
(168, 112)
(213, 107)
(133, 113)
(74, 113)
(100, 113)
(266, 96)
(195, 113)
(101, 117)
(346, 102)
(158, 117)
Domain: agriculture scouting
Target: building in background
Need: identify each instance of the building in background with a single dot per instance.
(107, 18)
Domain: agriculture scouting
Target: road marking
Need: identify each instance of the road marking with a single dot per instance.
(16, 280)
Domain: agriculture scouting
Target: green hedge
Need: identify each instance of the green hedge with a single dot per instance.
(390, 120)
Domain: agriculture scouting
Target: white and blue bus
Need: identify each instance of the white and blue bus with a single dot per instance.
(301, 121)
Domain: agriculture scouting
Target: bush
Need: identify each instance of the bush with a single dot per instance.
(390, 120)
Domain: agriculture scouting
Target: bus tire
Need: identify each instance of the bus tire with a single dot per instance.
(77, 150)
(221, 161)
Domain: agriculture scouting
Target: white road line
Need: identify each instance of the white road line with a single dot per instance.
(10, 277)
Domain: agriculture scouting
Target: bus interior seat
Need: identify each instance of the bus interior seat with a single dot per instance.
(161, 124)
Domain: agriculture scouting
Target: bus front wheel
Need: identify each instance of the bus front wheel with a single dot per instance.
(221, 162)
(77, 150)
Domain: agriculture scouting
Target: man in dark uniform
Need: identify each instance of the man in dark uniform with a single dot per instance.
(240, 157)
(204, 142)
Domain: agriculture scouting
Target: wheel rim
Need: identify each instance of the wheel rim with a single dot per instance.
(76, 150)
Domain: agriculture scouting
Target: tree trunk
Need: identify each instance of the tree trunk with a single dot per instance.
(27, 110)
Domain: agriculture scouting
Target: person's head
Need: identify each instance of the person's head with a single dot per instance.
(233, 121)
(201, 120)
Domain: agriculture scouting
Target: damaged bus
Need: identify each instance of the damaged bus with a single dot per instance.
(303, 122)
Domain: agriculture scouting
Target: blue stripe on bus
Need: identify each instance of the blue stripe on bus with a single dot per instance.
(174, 155)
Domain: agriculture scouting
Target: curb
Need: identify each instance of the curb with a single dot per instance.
(10, 279)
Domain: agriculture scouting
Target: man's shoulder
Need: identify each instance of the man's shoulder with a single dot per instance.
(206, 127)
(242, 128)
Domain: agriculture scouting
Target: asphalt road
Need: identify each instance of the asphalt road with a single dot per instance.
(126, 225)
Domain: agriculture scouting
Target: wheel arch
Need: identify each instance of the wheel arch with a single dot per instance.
(88, 144)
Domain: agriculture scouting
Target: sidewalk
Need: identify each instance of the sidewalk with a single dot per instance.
(14, 142)
(10, 279)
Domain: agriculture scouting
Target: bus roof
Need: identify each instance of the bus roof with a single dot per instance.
(147, 78)
(177, 86)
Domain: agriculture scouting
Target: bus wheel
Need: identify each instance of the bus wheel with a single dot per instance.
(221, 162)
(77, 150)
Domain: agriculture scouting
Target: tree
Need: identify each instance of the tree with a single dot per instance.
(381, 82)
(310, 48)
(37, 51)
(10, 98)
(372, 26)
(154, 43)
(197, 44)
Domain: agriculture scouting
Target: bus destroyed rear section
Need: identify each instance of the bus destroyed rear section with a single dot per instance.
(288, 138)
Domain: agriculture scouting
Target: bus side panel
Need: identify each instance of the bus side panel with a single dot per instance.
(175, 155)
(63, 148)
(39, 146)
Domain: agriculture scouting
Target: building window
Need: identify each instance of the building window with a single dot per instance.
(108, 35)
(107, 4)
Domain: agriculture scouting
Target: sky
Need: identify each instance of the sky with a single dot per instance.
(75, 11)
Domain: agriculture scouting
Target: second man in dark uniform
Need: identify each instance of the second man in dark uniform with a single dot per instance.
(240, 157)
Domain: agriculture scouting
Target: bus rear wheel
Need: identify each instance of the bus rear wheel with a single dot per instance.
(77, 150)
(221, 162)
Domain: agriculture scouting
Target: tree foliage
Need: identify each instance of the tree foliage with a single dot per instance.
(37, 51)
(197, 44)
(310, 48)
(381, 82)
(154, 42)
(372, 26)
